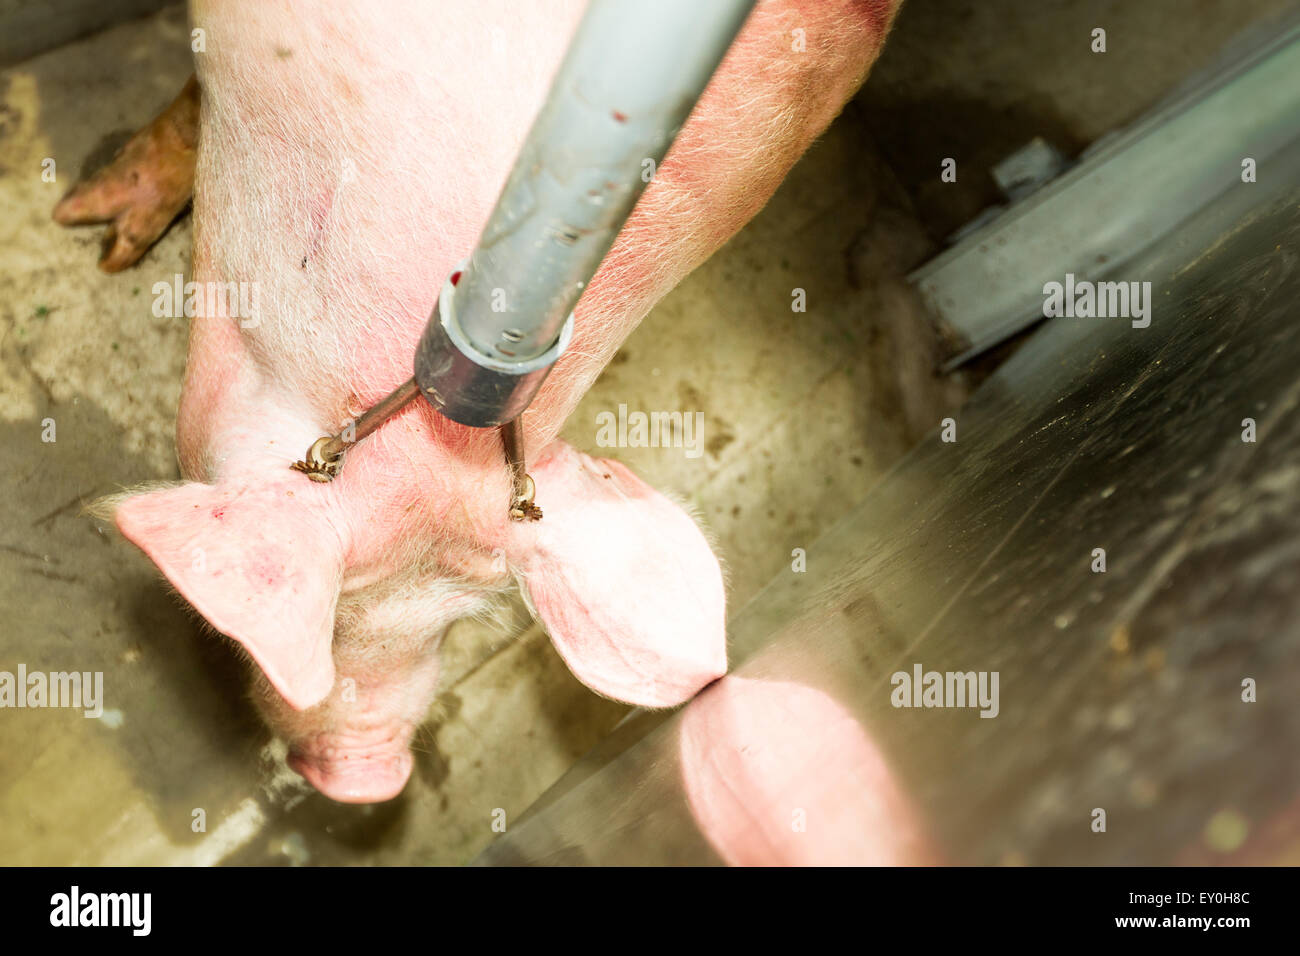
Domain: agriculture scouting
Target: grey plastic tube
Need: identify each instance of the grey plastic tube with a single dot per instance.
(631, 76)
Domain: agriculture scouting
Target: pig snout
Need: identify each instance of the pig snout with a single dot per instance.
(349, 767)
(355, 745)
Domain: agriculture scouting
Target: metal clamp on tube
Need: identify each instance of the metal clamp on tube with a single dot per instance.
(619, 99)
(505, 315)
(465, 384)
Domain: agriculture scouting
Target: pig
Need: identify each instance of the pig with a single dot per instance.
(148, 184)
(347, 158)
(777, 773)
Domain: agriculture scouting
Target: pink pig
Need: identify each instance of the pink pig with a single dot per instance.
(779, 774)
(347, 158)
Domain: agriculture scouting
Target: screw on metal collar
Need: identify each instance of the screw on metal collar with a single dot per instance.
(319, 465)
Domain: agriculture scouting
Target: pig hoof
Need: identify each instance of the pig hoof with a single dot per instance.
(146, 186)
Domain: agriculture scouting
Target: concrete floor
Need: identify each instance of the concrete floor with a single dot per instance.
(804, 413)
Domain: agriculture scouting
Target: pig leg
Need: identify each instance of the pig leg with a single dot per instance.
(144, 188)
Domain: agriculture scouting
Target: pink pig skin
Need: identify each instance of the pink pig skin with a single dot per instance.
(759, 757)
(348, 158)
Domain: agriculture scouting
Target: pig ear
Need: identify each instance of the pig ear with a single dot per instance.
(262, 570)
(623, 580)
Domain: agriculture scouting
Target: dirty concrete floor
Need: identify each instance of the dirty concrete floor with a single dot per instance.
(803, 413)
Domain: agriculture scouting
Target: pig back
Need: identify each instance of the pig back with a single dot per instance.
(348, 158)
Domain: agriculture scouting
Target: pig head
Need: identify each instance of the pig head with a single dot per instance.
(341, 172)
(343, 612)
